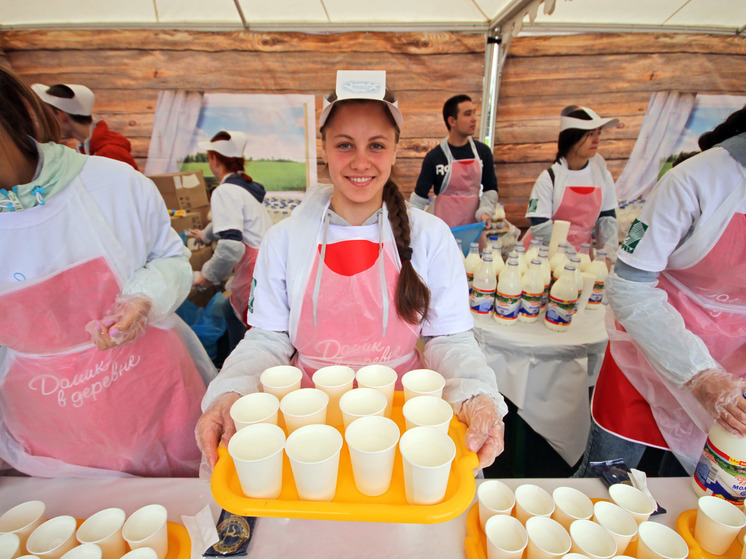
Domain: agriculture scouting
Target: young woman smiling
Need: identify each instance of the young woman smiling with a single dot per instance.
(355, 277)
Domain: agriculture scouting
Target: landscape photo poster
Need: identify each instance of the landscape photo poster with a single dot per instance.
(281, 137)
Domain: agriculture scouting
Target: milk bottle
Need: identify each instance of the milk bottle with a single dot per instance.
(722, 467)
(578, 276)
(546, 274)
(497, 258)
(533, 249)
(496, 245)
(472, 262)
(482, 295)
(508, 296)
(598, 269)
(562, 299)
(557, 262)
(585, 257)
(532, 291)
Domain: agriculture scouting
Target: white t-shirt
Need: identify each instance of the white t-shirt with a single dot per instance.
(233, 207)
(435, 257)
(689, 198)
(546, 194)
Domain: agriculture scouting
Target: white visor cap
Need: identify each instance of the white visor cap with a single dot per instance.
(361, 84)
(568, 122)
(81, 103)
(229, 148)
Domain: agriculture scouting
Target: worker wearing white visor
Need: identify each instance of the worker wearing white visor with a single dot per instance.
(354, 277)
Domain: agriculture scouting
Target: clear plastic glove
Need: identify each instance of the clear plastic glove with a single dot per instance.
(196, 234)
(486, 428)
(721, 394)
(215, 426)
(126, 320)
(201, 281)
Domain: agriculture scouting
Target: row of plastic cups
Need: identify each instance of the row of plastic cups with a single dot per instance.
(105, 535)
(307, 406)
(336, 380)
(314, 451)
(567, 505)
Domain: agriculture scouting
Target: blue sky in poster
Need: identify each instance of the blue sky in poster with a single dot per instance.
(275, 126)
(708, 112)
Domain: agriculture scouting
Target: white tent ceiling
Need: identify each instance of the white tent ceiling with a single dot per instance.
(721, 16)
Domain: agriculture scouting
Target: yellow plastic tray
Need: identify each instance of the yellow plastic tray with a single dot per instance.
(179, 543)
(349, 503)
(475, 542)
(685, 527)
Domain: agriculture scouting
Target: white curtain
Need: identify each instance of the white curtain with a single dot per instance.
(664, 121)
(173, 128)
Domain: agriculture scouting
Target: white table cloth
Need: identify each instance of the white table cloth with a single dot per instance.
(546, 374)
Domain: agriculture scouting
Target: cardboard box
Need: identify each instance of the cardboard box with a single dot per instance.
(199, 257)
(182, 191)
(190, 220)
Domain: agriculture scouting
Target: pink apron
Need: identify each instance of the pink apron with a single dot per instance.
(241, 283)
(131, 408)
(349, 318)
(458, 199)
(717, 277)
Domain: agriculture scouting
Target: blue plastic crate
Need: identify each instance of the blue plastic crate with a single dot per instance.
(468, 234)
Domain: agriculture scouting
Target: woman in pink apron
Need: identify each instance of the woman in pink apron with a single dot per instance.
(97, 375)
(353, 277)
(239, 223)
(577, 187)
(677, 351)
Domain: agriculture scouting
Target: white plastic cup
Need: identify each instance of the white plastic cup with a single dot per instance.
(104, 529)
(53, 538)
(84, 551)
(494, 498)
(571, 505)
(281, 380)
(427, 411)
(28, 557)
(372, 444)
(640, 505)
(305, 406)
(657, 541)
(547, 539)
(532, 500)
(257, 407)
(10, 546)
(22, 520)
(381, 378)
(257, 454)
(141, 553)
(620, 524)
(361, 402)
(335, 380)
(422, 382)
(313, 451)
(427, 455)
(592, 540)
(147, 527)
(718, 523)
(506, 537)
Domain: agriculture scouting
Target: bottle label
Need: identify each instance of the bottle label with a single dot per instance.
(598, 293)
(531, 303)
(560, 311)
(507, 306)
(481, 301)
(470, 279)
(721, 475)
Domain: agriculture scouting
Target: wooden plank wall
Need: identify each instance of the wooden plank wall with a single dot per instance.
(612, 73)
(127, 68)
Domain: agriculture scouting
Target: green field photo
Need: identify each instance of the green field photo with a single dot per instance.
(275, 175)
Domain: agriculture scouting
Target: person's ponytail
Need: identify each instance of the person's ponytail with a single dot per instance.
(412, 295)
